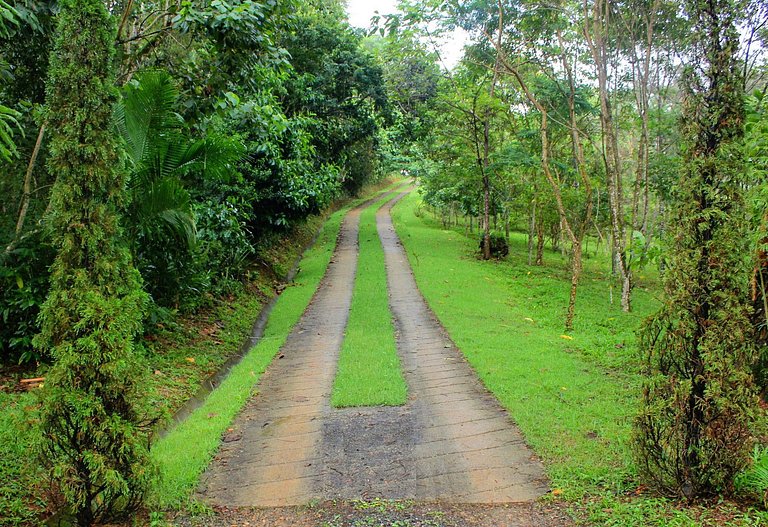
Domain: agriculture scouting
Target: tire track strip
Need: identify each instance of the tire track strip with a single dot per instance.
(249, 469)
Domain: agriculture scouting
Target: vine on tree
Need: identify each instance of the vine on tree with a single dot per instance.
(693, 431)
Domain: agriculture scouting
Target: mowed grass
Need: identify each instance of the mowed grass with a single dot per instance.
(185, 452)
(369, 372)
(574, 396)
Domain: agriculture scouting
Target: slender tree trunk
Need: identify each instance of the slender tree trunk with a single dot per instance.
(574, 235)
(641, 79)
(486, 214)
(758, 288)
(595, 32)
(486, 161)
(27, 191)
(575, 239)
(540, 244)
(563, 248)
(576, 268)
(532, 230)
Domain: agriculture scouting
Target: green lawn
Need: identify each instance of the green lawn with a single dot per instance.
(369, 372)
(185, 452)
(573, 396)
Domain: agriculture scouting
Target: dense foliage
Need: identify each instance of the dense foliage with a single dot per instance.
(240, 119)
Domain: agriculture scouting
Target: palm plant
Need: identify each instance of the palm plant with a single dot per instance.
(8, 116)
(161, 156)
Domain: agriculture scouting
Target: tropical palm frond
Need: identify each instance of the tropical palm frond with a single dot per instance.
(161, 156)
(164, 206)
(167, 157)
(181, 225)
(8, 122)
(213, 157)
(146, 116)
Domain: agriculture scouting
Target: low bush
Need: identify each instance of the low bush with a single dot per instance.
(499, 245)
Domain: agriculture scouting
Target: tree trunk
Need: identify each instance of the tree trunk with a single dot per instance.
(27, 191)
(575, 236)
(540, 244)
(594, 32)
(576, 267)
(758, 284)
(486, 214)
(531, 231)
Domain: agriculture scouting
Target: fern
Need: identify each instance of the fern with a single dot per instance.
(754, 479)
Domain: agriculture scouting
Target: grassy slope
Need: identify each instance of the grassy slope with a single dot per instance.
(573, 398)
(369, 372)
(183, 454)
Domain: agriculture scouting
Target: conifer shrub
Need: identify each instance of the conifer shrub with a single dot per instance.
(693, 430)
(94, 438)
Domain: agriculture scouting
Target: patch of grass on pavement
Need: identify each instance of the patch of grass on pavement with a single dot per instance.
(573, 396)
(369, 372)
(185, 452)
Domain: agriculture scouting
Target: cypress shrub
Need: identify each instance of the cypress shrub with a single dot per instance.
(94, 439)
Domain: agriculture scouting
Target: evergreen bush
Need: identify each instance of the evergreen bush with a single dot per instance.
(95, 441)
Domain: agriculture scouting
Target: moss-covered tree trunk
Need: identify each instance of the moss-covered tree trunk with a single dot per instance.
(693, 430)
(93, 439)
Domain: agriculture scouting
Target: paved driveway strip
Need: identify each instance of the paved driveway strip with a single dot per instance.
(451, 442)
(467, 450)
(270, 456)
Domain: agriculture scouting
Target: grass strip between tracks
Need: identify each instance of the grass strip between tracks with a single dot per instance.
(369, 372)
(185, 452)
